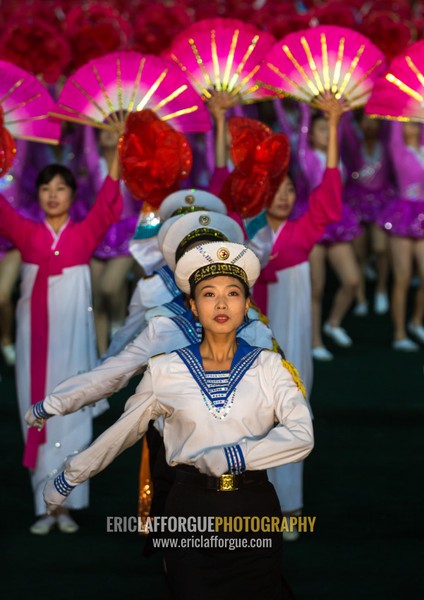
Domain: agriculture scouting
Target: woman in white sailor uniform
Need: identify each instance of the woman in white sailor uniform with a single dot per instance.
(169, 326)
(230, 411)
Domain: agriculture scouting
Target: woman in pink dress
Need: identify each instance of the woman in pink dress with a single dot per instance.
(55, 331)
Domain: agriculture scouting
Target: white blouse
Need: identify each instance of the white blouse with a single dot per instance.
(266, 424)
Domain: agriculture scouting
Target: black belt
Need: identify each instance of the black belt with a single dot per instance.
(225, 483)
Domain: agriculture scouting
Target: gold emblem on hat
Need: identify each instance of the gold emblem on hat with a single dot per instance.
(204, 220)
(223, 253)
(189, 199)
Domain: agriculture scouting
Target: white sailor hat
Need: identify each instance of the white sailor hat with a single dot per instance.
(201, 226)
(215, 259)
(190, 200)
(164, 228)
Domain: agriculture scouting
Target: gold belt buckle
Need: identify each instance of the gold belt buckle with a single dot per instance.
(227, 483)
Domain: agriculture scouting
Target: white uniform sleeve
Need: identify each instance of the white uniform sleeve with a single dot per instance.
(257, 333)
(261, 244)
(109, 377)
(292, 439)
(125, 432)
(134, 324)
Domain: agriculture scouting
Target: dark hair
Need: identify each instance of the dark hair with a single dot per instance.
(49, 172)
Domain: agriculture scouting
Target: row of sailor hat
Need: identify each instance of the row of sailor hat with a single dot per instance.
(184, 203)
(151, 228)
(199, 218)
(199, 227)
(204, 243)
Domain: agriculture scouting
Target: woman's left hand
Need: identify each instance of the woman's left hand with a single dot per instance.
(212, 462)
(56, 491)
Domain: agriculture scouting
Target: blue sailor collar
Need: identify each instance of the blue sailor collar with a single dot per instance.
(218, 387)
(167, 277)
(191, 328)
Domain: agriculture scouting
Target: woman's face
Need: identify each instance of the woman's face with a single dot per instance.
(370, 127)
(55, 198)
(220, 304)
(412, 133)
(283, 201)
(319, 134)
(108, 139)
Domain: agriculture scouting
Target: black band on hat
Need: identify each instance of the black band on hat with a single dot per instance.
(185, 210)
(216, 270)
(203, 234)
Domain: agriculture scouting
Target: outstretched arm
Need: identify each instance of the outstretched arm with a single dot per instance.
(161, 335)
(130, 427)
(218, 106)
(114, 169)
(333, 110)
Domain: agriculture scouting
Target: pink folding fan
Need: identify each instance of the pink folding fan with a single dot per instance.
(306, 64)
(25, 104)
(224, 55)
(102, 92)
(399, 94)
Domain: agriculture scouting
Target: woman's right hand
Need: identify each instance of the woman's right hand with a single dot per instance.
(36, 416)
(219, 103)
(332, 106)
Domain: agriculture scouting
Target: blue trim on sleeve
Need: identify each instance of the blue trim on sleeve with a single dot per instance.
(62, 486)
(235, 459)
(39, 410)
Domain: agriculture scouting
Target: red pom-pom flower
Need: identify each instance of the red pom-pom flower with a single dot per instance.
(35, 46)
(154, 157)
(7, 147)
(261, 161)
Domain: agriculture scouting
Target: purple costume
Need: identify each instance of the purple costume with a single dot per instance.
(370, 186)
(313, 164)
(404, 214)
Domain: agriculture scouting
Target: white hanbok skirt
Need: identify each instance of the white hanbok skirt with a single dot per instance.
(71, 349)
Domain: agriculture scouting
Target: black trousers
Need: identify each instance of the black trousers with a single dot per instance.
(215, 571)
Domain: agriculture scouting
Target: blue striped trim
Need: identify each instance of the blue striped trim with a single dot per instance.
(235, 459)
(236, 373)
(62, 486)
(39, 411)
(167, 277)
(191, 330)
(175, 307)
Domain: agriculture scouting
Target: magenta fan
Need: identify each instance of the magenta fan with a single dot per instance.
(224, 55)
(306, 64)
(400, 93)
(102, 92)
(25, 104)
